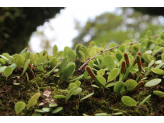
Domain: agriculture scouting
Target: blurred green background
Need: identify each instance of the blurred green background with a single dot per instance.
(18, 23)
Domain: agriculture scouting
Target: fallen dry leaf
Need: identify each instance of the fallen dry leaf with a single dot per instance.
(47, 93)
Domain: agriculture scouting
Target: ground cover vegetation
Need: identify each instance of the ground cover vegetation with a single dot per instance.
(115, 79)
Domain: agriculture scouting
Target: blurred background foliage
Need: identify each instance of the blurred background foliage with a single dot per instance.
(18, 23)
(114, 27)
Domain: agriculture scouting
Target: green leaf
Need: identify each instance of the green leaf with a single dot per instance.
(102, 114)
(152, 82)
(53, 62)
(66, 48)
(130, 83)
(57, 110)
(40, 59)
(55, 50)
(72, 85)
(46, 109)
(109, 62)
(40, 111)
(52, 70)
(25, 66)
(78, 83)
(5, 58)
(8, 71)
(122, 48)
(159, 93)
(36, 114)
(157, 71)
(118, 86)
(145, 100)
(95, 86)
(67, 72)
(2, 69)
(63, 65)
(53, 105)
(101, 72)
(2, 61)
(162, 56)
(145, 57)
(128, 101)
(59, 96)
(13, 65)
(113, 74)
(19, 60)
(27, 55)
(77, 91)
(71, 55)
(19, 106)
(101, 81)
(110, 84)
(16, 83)
(69, 94)
(158, 62)
(151, 63)
(23, 51)
(60, 54)
(87, 96)
(32, 58)
(119, 55)
(33, 100)
(40, 67)
(90, 63)
(156, 51)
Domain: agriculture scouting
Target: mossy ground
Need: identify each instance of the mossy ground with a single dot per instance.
(107, 101)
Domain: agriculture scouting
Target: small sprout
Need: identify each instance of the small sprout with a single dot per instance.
(145, 100)
(123, 67)
(90, 72)
(78, 83)
(87, 96)
(110, 84)
(25, 66)
(69, 94)
(135, 61)
(140, 84)
(126, 59)
(128, 101)
(77, 91)
(63, 65)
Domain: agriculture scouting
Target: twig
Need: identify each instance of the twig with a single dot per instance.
(82, 67)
